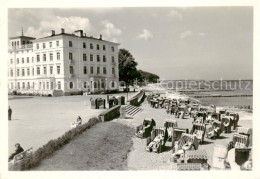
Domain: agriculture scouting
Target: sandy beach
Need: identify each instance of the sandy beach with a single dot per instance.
(139, 159)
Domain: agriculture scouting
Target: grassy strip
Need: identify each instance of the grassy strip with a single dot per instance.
(52, 146)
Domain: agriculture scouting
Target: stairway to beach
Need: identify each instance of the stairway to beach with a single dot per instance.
(133, 110)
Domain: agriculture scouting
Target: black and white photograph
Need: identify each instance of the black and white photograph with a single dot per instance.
(156, 88)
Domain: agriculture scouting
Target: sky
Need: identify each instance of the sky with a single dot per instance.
(209, 43)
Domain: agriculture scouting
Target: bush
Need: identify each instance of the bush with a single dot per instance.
(55, 144)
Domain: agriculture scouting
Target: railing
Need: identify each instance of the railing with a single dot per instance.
(71, 61)
(25, 46)
(113, 63)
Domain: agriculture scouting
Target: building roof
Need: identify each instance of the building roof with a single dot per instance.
(73, 35)
(25, 37)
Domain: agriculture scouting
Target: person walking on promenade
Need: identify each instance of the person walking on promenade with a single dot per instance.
(9, 113)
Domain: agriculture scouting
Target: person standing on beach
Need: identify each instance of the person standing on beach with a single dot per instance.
(9, 113)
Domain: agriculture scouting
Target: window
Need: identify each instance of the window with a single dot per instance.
(59, 85)
(11, 73)
(58, 69)
(84, 57)
(18, 85)
(11, 61)
(98, 59)
(23, 85)
(84, 70)
(84, 45)
(28, 85)
(58, 55)
(38, 58)
(51, 85)
(70, 43)
(28, 71)
(104, 58)
(50, 44)
(18, 72)
(113, 71)
(44, 57)
(97, 47)
(91, 70)
(33, 85)
(71, 69)
(38, 71)
(22, 60)
(12, 86)
(28, 61)
(43, 85)
(71, 85)
(51, 56)
(85, 84)
(70, 56)
(47, 85)
(51, 70)
(17, 60)
(32, 59)
(37, 46)
(40, 85)
(91, 46)
(57, 43)
(43, 45)
(112, 49)
(113, 59)
(23, 72)
(98, 70)
(44, 70)
(104, 70)
(104, 47)
(113, 84)
(32, 71)
(91, 57)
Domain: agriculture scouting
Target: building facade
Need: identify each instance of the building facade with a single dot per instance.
(63, 63)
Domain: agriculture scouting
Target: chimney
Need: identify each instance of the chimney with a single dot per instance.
(100, 37)
(62, 31)
(53, 32)
(79, 33)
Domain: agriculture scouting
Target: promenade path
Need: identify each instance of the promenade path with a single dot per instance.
(36, 120)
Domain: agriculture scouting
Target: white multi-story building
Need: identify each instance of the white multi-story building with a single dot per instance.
(67, 63)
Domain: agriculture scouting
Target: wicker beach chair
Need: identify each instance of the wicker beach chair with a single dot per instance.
(214, 129)
(220, 154)
(196, 156)
(156, 142)
(182, 111)
(200, 117)
(185, 143)
(199, 131)
(235, 119)
(170, 125)
(228, 122)
(193, 111)
(144, 130)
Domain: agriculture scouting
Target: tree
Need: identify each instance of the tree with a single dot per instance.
(127, 68)
(150, 77)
